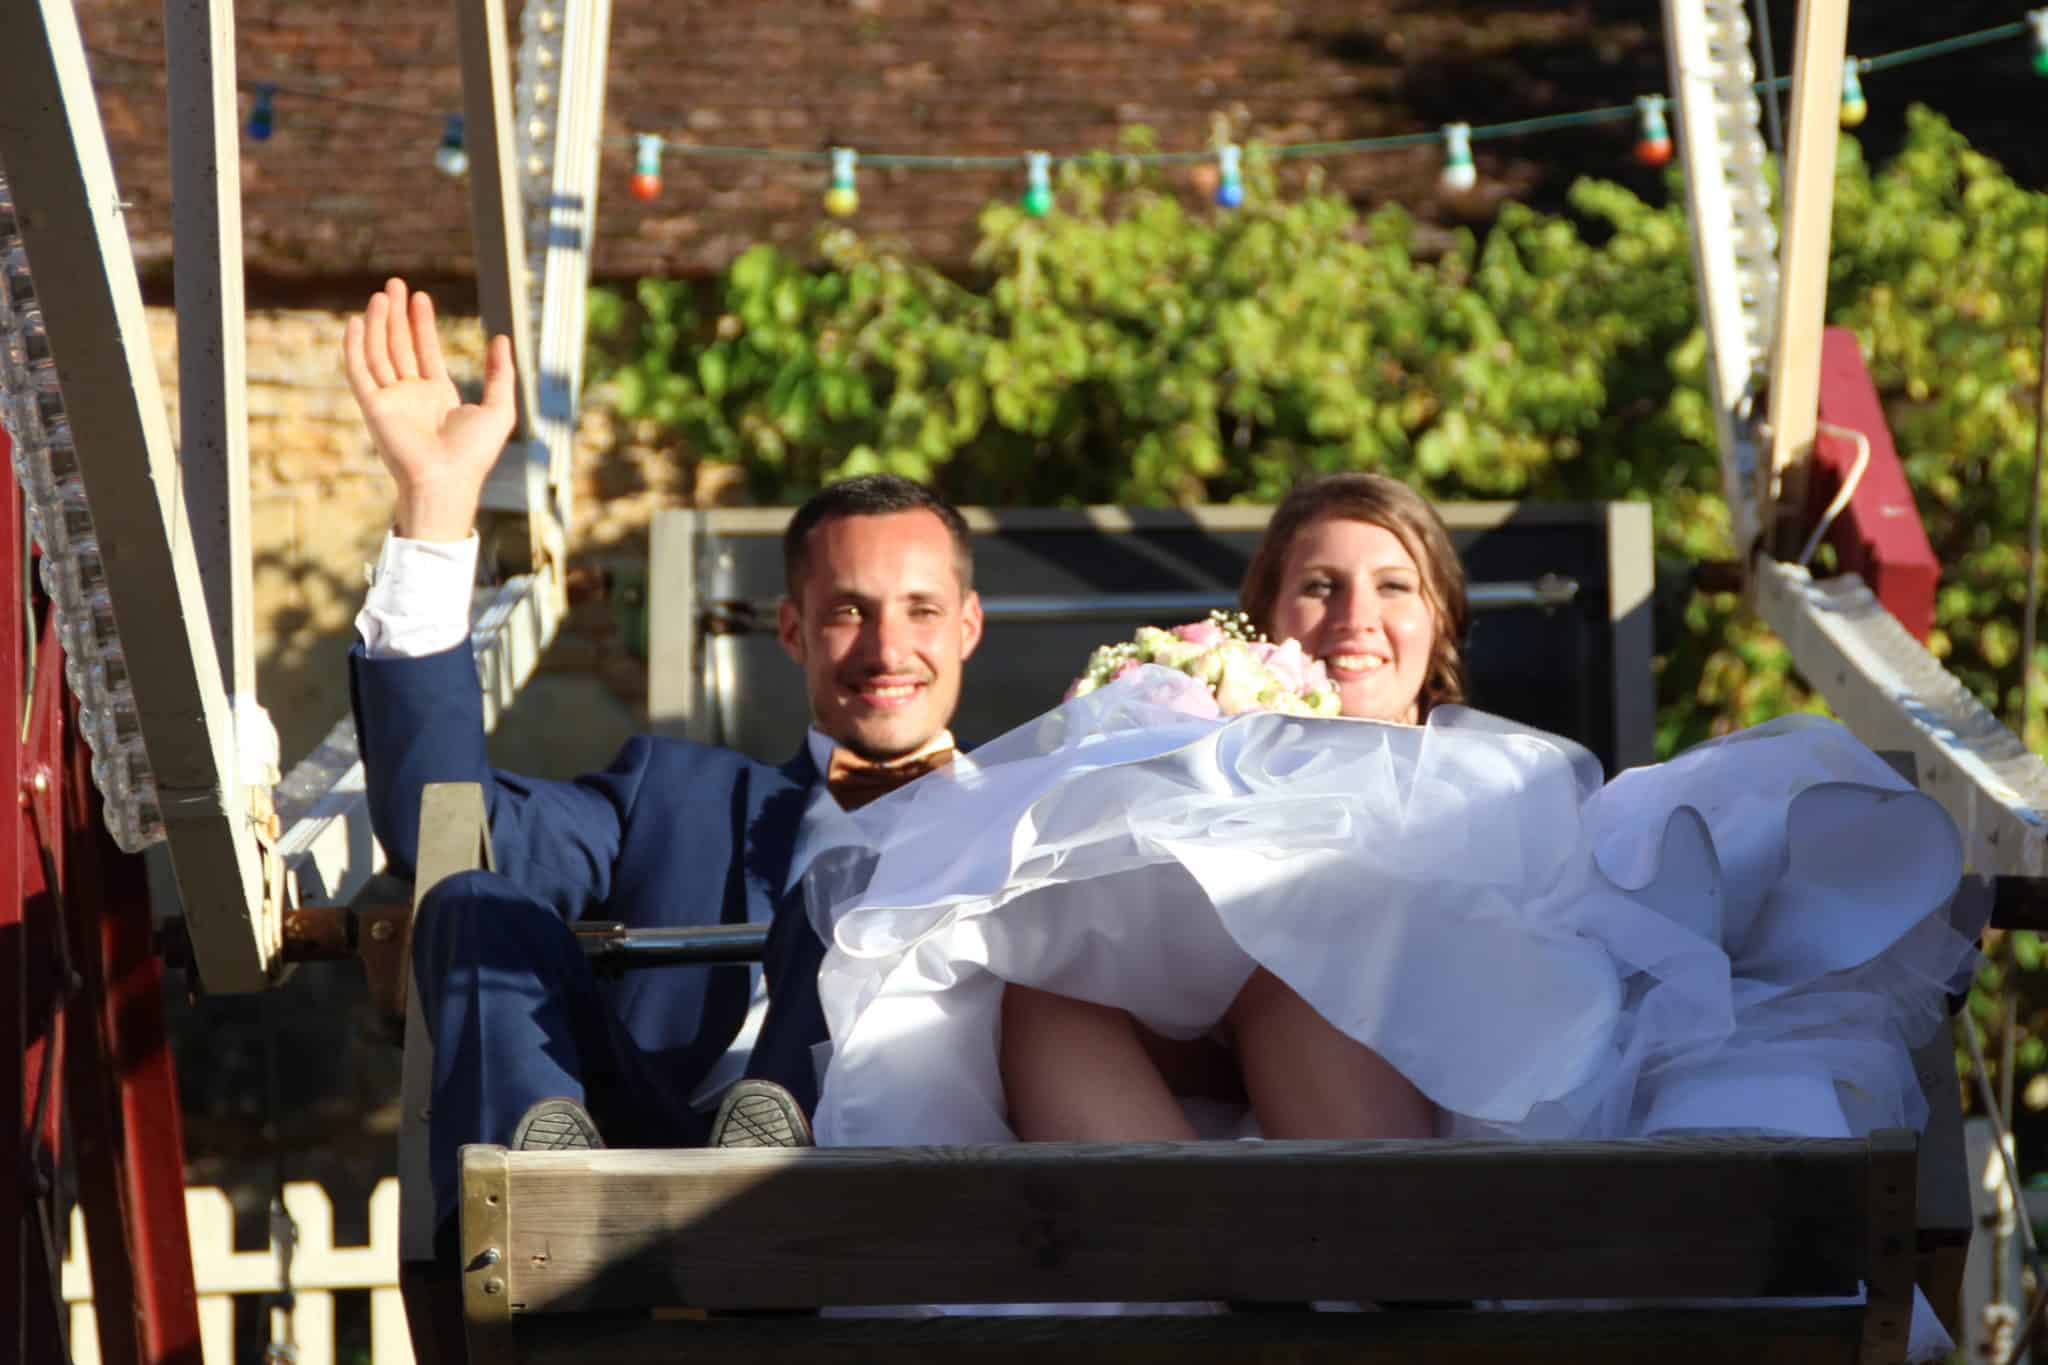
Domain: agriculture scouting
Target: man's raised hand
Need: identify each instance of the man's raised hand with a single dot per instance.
(438, 448)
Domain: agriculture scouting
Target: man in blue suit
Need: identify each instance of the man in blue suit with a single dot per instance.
(530, 1048)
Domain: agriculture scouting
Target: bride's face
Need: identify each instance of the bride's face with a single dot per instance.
(1353, 596)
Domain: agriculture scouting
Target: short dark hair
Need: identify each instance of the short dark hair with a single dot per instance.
(1391, 505)
(870, 495)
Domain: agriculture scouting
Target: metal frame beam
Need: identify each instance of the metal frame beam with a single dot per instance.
(1734, 240)
(1895, 696)
(1814, 131)
(55, 150)
(206, 226)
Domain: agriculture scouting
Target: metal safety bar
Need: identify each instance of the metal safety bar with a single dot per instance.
(609, 944)
(746, 616)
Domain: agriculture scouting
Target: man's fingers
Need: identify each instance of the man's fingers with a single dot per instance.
(426, 338)
(377, 341)
(404, 362)
(499, 380)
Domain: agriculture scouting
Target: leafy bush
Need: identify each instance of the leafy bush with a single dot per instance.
(1126, 349)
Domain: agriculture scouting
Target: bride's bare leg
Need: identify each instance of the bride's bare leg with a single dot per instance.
(1309, 1080)
(1076, 1072)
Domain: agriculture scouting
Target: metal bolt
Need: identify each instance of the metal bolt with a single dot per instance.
(383, 931)
(494, 1286)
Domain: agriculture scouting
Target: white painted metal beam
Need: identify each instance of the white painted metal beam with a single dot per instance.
(206, 227)
(1734, 239)
(569, 233)
(55, 151)
(1894, 695)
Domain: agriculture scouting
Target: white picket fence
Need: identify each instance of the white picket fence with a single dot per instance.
(318, 1268)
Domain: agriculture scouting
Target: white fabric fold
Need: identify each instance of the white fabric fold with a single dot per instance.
(1750, 938)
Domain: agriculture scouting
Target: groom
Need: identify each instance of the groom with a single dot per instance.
(530, 1048)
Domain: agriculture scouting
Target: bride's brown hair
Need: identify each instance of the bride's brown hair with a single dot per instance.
(1393, 506)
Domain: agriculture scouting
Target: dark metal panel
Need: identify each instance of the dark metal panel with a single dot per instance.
(1552, 668)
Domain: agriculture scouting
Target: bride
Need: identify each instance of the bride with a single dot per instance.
(1133, 919)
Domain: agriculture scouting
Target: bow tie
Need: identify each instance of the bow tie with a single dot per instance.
(854, 781)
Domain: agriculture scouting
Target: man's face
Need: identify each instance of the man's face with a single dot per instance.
(881, 627)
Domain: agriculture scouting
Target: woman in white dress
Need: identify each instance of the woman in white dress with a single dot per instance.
(1418, 920)
(1360, 572)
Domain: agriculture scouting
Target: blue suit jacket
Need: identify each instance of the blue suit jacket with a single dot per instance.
(673, 833)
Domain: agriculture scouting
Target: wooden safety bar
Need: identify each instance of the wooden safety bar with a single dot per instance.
(565, 1254)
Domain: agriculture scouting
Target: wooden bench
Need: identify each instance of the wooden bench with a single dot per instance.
(586, 1256)
(565, 1254)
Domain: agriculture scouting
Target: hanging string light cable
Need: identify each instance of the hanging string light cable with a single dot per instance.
(2034, 25)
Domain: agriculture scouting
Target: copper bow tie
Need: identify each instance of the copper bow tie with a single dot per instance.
(854, 781)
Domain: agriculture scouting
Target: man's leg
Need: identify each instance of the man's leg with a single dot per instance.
(515, 1017)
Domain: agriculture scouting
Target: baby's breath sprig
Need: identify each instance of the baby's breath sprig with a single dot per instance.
(1237, 626)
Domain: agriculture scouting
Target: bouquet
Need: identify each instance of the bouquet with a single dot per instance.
(1242, 669)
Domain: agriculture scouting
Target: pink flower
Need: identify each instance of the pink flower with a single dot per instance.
(1200, 632)
(1288, 665)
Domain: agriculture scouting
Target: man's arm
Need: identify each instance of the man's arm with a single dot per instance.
(413, 682)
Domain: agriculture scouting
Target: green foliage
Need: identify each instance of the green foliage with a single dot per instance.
(1127, 349)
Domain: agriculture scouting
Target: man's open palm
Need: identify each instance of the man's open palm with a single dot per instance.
(438, 448)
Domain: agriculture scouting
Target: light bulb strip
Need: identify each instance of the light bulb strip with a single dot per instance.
(675, 145)
(537, 101)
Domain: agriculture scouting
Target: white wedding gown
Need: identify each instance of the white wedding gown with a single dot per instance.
(1749, 938)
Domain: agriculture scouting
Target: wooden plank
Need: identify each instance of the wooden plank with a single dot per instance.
(1888, 1274)
(206, 229)
(672, 621)
(1631, 583)
(494, 210)
(55, 152)
(1809, 199)
(1894, 695)
(1945, 1213)
(1275, 1221)
(1674, 1336)
(486, 1211)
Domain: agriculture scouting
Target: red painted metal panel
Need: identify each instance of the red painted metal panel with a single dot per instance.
(81, 1030)
(123, 1074)
(1878, 535)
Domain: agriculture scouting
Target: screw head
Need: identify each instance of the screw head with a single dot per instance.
(383, 931)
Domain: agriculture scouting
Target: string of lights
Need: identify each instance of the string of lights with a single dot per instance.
(1219, 169)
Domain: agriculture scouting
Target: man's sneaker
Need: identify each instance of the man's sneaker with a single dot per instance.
(760, 1114)
(557, 1125)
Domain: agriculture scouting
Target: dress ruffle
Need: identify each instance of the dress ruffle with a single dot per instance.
(1751, 937)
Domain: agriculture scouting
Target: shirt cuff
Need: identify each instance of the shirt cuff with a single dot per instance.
(419, 597)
